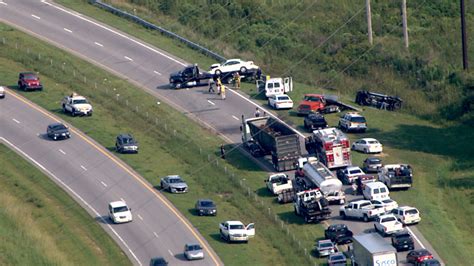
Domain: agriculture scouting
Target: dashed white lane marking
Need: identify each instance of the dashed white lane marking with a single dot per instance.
(16, 121)
(83, 168)
(61, 151)
(98, 44)
(211, 102)
(103, 183)
(235, 117)
(35, 16)
(68, 30)
(171, 253)
(140, 217)
(156, 72)
(155, 234)
(122, 199)
(128, 58)
(3, 3)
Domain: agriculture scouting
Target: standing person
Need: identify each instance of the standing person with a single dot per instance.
(237, 80)
(354, 188)
(219, 85)
(257, 112)
(259, 74)
(223, 88)
(222, 151)
(212, 83)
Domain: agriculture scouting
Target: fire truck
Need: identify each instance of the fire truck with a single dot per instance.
(331, 146)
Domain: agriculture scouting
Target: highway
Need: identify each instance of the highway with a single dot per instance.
(94, 177)
(146, 66)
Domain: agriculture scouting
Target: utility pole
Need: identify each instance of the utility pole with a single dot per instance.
(465, 62)
(369, 21)
(404, 22)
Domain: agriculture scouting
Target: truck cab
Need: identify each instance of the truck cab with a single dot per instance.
(274, 86)
(311, 103)
(360, 209)
(189, 77)
(278, 182)
(236, 231)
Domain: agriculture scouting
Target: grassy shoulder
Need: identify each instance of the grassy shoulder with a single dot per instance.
(40, 224)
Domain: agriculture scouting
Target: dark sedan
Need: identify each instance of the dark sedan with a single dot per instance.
(58, 131)
(206, 207)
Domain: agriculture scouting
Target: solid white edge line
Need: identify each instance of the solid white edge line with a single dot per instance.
(16, 121)
(61, 151)
(98, 44)
(68, 30)
(128, 58)
(414, 236)
(211, 102)
(76, 195)
(235, 117)
(118, 33)
(169, 251)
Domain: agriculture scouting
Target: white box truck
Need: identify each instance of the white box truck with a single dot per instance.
(372, 249)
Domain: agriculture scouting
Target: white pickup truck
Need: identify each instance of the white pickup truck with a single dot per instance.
(76, 105)
(360, 209)
(387, 224)
(236, 231)
(278, 182)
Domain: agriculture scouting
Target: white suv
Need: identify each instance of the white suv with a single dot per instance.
(353, 121)
(119, 212)
(407, 215)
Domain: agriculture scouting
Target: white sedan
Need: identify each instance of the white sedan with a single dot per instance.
(233, 65)
(367, 145)
(281, 101)
(387, 224)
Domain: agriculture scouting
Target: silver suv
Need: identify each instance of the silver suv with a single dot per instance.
(353, 121)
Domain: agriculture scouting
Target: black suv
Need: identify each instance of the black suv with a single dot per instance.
(314, 121)
(338, 233)
(403, 241)
(125, 143)
(58, 131)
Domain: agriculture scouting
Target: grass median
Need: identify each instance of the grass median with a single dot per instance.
(41, 225)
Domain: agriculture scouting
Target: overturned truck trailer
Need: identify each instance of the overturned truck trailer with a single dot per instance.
(274, 138)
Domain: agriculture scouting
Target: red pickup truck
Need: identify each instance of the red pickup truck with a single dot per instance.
(311, 103)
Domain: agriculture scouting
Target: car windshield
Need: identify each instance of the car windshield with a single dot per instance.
(326, 245)
(387, 201)
(358, 119)
(383, 190)
(120, 209)
(411, 211)
(283, 98)
(175, 180)
(374, 161)
(59, 127)
(312, 98)
(80, 101)
(128, 140)
(337, 258)
(365, 204)
(194, 247)
(236, 226)
(207, 204)
(388, 219)
(30, 76)
(373, 142)
(356, 171)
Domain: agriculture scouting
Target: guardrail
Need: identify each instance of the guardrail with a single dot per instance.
(152, 26)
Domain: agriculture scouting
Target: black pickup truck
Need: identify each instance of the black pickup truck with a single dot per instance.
(339, 234)
(189, 77)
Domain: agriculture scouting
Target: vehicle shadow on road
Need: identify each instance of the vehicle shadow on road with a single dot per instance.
(181, 257)
(103, 219)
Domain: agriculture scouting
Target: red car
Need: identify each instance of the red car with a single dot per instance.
(311, 103)
(29, 81)
(418, 256)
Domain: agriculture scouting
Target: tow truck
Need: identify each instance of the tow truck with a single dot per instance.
(189, 77)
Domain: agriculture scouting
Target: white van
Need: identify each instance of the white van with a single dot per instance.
(375, 191)
(275, 86)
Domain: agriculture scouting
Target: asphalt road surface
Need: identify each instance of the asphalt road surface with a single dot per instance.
(144, 65)
(94, 177)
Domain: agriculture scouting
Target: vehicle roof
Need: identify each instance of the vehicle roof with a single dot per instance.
(274, 80)
(395, 165)
(234, 59)
(56, 124)
(373, 159)
(375, 184)
(352, 167)
(361, 201)
(173, 176)
(386, 216)
(325, 241)
(354, 114)
(234, 222)
(115, 204)
(338, 226)
(404, 208)
(374, 243)
(369, 139)
(329, 134)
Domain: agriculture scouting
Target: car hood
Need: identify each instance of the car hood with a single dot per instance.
(238, 231)
(176, 74)
(178, 185)
(206, 208)
(82, 106)
(60, 131)
(195, 252)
